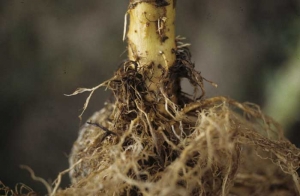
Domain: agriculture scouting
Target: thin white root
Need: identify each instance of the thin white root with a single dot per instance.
(91, 90)
(58, 179)
(39, 179)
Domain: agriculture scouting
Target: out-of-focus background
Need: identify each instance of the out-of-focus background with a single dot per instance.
(251, 49)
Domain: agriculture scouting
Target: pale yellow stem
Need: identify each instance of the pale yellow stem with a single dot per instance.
(151, 42)
(151, 34)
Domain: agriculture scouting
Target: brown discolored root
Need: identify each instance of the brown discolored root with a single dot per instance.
(213, 146)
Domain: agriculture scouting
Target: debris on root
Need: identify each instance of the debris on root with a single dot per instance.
(214, 146)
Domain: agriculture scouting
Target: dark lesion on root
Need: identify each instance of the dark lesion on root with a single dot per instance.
(105, 129)
(163, 137)
(134, 114)
(132, 94)
(184, 68)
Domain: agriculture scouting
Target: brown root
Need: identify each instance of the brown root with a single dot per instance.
(213, 146)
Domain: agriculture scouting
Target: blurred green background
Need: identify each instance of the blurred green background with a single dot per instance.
(251, 49)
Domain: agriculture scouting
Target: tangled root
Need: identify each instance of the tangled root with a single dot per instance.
(213, 146)
(20, 189)
(221, 153)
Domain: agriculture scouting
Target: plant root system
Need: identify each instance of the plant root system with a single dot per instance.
(145, 144)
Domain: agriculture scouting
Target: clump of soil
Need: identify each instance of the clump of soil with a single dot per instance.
(144, 144)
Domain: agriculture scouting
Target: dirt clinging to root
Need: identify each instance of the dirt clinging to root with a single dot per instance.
(213, 146)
